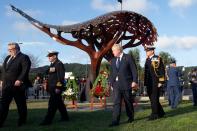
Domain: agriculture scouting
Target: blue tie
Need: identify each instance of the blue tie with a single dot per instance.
(118, 62)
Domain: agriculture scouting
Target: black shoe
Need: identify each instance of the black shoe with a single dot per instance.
(113, 124)
(44, 123)
(130, 120)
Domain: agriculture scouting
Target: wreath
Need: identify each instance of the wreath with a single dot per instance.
(71, 91)
(100, 86)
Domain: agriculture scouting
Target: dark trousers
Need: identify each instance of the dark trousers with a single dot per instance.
(82, 96)
(55, 102)
(194, 91)
(37, 92)
(153, 93)
(8, 93)
(118, 95)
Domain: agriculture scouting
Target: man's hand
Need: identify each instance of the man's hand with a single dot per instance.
(159, 85)
(134, 85)
(17, 83)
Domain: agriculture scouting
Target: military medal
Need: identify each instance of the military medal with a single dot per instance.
(52, 69)
(116, 78)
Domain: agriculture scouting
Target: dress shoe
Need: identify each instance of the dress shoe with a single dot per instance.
(130, 120)
(113, 124)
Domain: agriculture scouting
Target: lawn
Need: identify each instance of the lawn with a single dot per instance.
(184, 118)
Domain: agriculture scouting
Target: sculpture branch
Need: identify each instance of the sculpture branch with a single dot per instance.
(111, 43)
(130, 43)
(78, 43)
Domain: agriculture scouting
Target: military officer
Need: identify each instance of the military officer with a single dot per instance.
(55, 87)
(154, 77)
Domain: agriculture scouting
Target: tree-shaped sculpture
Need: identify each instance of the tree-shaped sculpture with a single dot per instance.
(101, 33)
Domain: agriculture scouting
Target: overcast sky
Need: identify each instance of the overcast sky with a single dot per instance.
(175, 21)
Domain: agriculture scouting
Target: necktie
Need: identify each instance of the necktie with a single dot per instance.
(10, 60)
(118, 63)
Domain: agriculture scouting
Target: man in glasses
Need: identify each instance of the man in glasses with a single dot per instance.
(15, 78)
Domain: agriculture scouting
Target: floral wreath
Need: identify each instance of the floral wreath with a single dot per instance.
(100, 86)
(71, 91)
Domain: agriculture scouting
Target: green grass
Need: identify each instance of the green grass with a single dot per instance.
(184, 118)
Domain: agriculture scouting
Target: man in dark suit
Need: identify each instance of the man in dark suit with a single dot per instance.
(123, 78)
(56, 74)
(154, 77)
(15, 81)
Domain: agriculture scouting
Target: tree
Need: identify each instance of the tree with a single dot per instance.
(136, 55)
(35, 61)
(166, 57)
(105, 65)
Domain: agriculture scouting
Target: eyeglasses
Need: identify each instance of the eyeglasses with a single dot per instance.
(11, 49)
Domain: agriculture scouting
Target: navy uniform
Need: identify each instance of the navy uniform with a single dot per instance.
(55, 87)
(154, 76)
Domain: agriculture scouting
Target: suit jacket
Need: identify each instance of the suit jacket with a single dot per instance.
(127, 72)
(56, 74)
(154, 73)
(17, 69)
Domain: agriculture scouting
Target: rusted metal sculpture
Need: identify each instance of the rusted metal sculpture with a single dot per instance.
(101, 33)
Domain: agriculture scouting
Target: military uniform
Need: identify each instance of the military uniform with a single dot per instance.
(56, 74)
(154, 74)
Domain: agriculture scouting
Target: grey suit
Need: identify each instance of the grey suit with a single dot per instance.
(121, 80)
